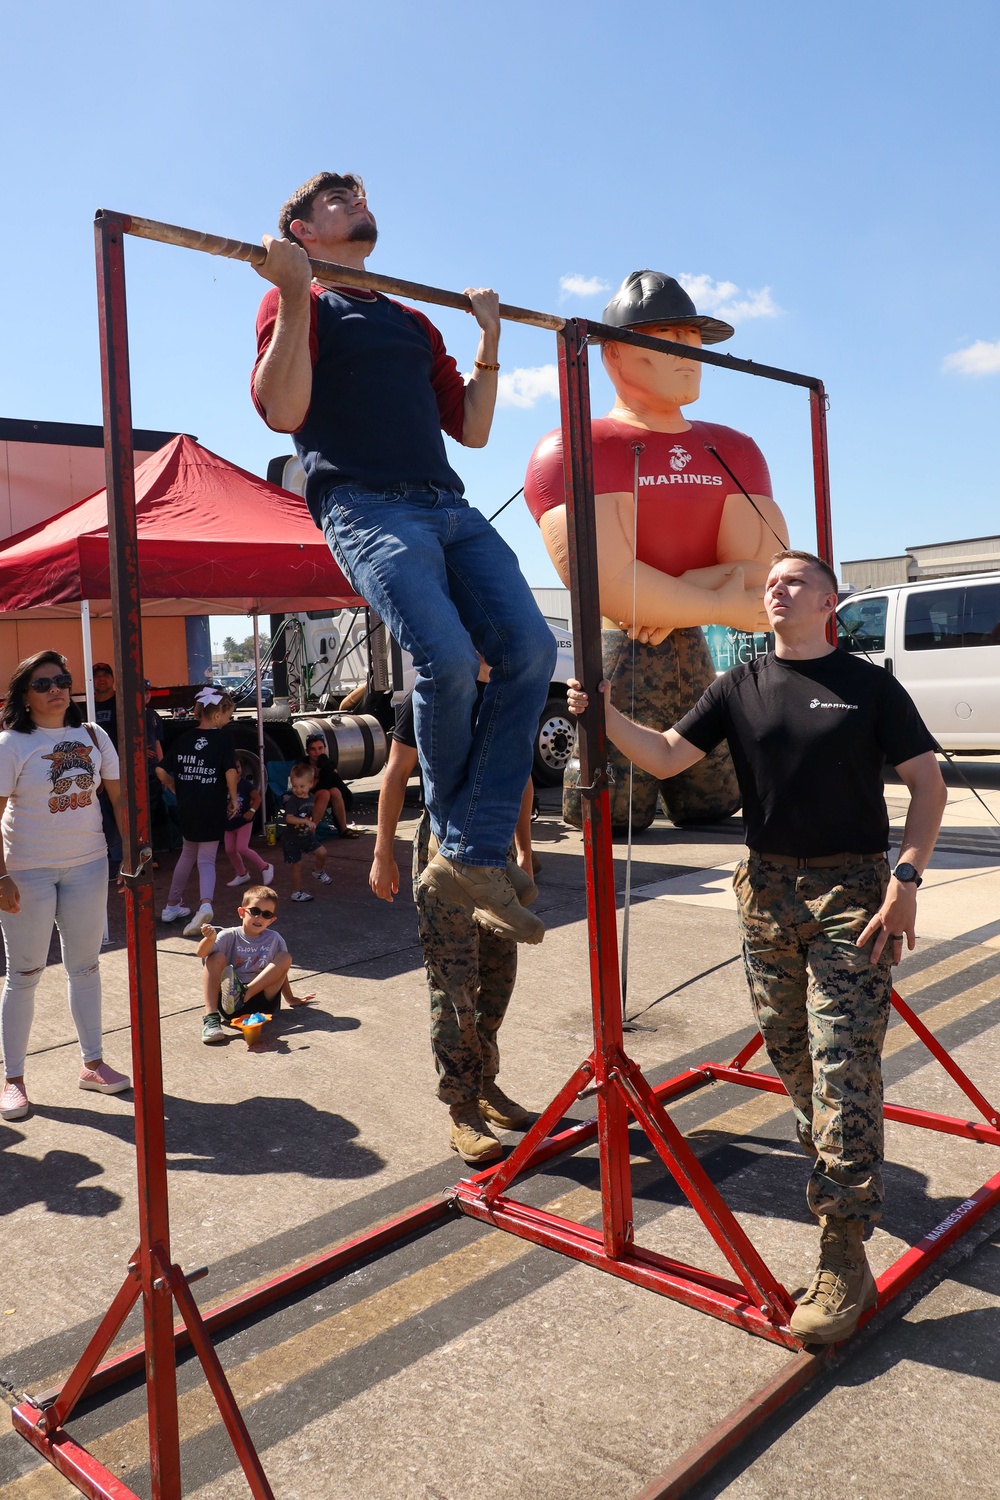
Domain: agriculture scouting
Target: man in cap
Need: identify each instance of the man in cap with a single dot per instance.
(365, 386)
(692, 552)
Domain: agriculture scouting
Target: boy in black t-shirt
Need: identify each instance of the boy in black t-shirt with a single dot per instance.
(822, 919)
(298, 835)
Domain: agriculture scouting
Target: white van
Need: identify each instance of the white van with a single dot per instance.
(941, 638)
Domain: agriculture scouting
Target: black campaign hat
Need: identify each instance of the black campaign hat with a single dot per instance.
(652, 297)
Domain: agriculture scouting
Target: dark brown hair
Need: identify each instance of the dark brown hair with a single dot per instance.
(15, 713)
(299, 205)
(808, 557)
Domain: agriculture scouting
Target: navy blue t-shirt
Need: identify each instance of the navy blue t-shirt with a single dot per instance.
(383, 388)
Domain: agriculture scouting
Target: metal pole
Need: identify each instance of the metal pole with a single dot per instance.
(818, 402)
(88, 659)
(217, 244)
(612, 1119)
(144, 1007)
(260, 719)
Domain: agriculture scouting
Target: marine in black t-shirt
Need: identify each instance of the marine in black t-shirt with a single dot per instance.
(809, 741)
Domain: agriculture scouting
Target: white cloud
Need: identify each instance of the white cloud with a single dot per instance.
(724, 299)
(980, 358)
(526, 387)
(581, 286)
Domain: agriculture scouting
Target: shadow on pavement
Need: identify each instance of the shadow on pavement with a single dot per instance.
(56, 1181)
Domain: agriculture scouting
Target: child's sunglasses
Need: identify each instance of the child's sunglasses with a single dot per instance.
(261, 911)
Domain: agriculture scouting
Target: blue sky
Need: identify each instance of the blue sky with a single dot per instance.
(836, 166)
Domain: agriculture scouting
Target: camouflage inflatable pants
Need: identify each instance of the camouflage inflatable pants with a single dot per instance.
(668, 680)
(470, 973)
(822, 1008)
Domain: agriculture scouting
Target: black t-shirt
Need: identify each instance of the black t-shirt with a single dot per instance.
(405, 731)
(106, 714)
(809, 740)
(198, 762)
(244, 797)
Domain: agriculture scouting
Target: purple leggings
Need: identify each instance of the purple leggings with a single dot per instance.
(239, 851)
(204, 854)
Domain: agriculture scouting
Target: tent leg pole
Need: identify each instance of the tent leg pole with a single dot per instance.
(88, 659)
(260, 719)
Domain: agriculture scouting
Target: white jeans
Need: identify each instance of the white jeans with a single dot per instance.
(76, 900)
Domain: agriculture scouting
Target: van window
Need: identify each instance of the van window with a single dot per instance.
(981, 616)
(861, 624)
(933, 620)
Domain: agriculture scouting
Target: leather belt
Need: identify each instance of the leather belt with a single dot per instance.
(818, 861)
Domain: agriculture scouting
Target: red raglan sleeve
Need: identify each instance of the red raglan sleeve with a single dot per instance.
(446, 378)
(748, 464)
(544, 486)
(267, 316)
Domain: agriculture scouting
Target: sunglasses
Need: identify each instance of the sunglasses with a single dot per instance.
(43, 684)
(260, 911)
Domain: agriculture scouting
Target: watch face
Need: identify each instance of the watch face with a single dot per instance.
(905, 873)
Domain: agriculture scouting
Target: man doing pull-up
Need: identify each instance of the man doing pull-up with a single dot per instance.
(365, 386)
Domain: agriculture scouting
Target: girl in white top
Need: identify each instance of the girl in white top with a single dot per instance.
(54, 865)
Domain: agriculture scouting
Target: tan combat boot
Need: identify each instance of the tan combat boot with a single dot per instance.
(470, 1136)
(842, 1289)
(486, 891)
(497, 1109)
(525, 888)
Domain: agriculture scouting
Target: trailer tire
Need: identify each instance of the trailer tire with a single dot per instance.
(555, 741)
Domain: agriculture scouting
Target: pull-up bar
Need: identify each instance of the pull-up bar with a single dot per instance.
(328, 270)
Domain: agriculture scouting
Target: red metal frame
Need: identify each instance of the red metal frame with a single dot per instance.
(754, 1300)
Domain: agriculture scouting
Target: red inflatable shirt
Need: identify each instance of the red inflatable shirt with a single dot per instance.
(682, 487)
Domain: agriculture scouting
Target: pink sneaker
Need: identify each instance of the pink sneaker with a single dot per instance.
(103, 1080)
(13, 1102)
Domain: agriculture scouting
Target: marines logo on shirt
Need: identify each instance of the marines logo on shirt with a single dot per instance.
(71, 767)
(679, 457)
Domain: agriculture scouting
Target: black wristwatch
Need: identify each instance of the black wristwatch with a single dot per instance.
(908, 875)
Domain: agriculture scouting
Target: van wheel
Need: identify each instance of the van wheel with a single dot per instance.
(554, 743)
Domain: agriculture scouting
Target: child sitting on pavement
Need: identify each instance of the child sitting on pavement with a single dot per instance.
(246, 967)
(298, 835)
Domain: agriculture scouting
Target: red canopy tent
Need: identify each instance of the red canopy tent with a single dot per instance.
(213, 539)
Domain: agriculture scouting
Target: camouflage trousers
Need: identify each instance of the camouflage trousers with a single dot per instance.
(470, 974)
(667, 681)
(823, 1008)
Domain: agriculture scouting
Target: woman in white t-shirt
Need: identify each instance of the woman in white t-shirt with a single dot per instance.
(54, 865)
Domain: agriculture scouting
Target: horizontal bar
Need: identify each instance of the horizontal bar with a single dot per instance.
(604, 333)
(902, 1114)
(705, 1455)
(81, 1468)
(255, 255)
(649, 1271)
(916, 1260)
(131, 1361)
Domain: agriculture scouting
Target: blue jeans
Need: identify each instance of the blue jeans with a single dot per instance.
(447, 585)
(76, 899)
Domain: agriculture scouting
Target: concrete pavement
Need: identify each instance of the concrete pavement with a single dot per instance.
(466, 1363)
